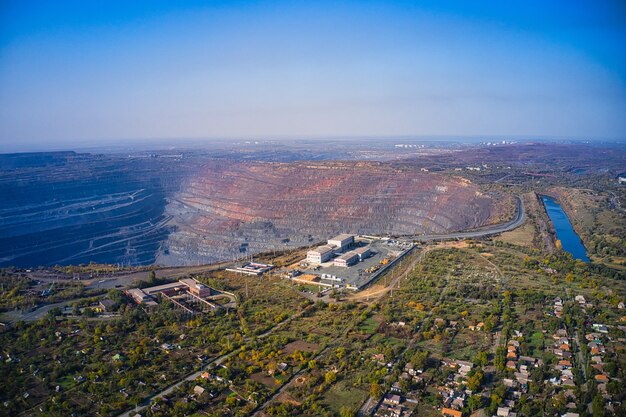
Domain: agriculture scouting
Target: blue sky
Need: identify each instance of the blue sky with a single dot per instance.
(119, 70)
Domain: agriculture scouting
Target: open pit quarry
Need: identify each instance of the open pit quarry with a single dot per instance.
(229, 209)
(68, 208)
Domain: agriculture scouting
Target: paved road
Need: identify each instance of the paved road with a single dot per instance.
(134, 277)
(15, 316)
(520, 217)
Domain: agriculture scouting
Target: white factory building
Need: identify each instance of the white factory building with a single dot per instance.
(320, 254)
(341, 242)
(324, 253)
(352, 257)
(347, 259)
(363, 253)
(335, 245)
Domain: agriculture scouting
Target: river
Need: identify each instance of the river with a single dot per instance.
(564, 231)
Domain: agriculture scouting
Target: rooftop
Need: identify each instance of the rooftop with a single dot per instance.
(347, 256)
(342, 237)
(361, 250)
(322, 249)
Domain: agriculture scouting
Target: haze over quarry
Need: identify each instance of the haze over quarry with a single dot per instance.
(79, 71)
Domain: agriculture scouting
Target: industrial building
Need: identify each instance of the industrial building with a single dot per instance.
(341, 242)
(347, 259)
(363, 253)
(140, 297)
(183, 293)
(352, 257)
(320, 254)
(196, 288)
(252, 268)
(324, 253)
(363, 261)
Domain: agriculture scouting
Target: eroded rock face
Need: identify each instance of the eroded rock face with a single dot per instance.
(230, 209)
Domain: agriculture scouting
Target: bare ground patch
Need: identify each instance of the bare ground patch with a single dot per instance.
(300, 346)
(264, 379)
(285, 397)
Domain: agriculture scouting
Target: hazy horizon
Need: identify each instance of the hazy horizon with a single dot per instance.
(73, 73)
(198, 144)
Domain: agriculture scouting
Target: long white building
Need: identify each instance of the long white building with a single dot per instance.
(320, 254)
(341, 242)
(347, 259)
(363, 253)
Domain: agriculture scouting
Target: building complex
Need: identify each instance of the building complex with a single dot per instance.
(333, 246)
(184, 293)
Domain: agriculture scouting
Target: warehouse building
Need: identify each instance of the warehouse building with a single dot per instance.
(320, 254)
(347, 259)
(341, 242)
(363, 253)
(140, 297)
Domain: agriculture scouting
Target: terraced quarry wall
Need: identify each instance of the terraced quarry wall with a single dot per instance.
(229, 209)
(70, 208)
(67, 208)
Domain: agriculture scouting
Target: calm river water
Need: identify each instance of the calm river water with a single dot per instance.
(564, 230)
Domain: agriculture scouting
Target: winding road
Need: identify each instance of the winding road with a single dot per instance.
(518, 220)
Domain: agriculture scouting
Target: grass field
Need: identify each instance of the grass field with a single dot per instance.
(522, 236)
(369, 325)
(342, 395)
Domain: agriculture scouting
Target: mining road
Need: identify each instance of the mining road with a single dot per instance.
(518, 220)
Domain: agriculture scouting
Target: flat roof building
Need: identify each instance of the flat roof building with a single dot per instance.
(341, 241)
(141, 297)
(252, 268)
(347, 259)
(363, 252)
(196, 288)
(169, 289)
(320, 254)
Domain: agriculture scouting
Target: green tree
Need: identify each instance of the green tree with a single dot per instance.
(475, 402)
(474, 381)
(597, 406)
(482, 359)
(419, 358)
(346, 412)
(330, 377)
(498, 360)
(341, 352)
(375, 390)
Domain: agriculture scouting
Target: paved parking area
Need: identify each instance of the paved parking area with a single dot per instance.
(358, 274)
